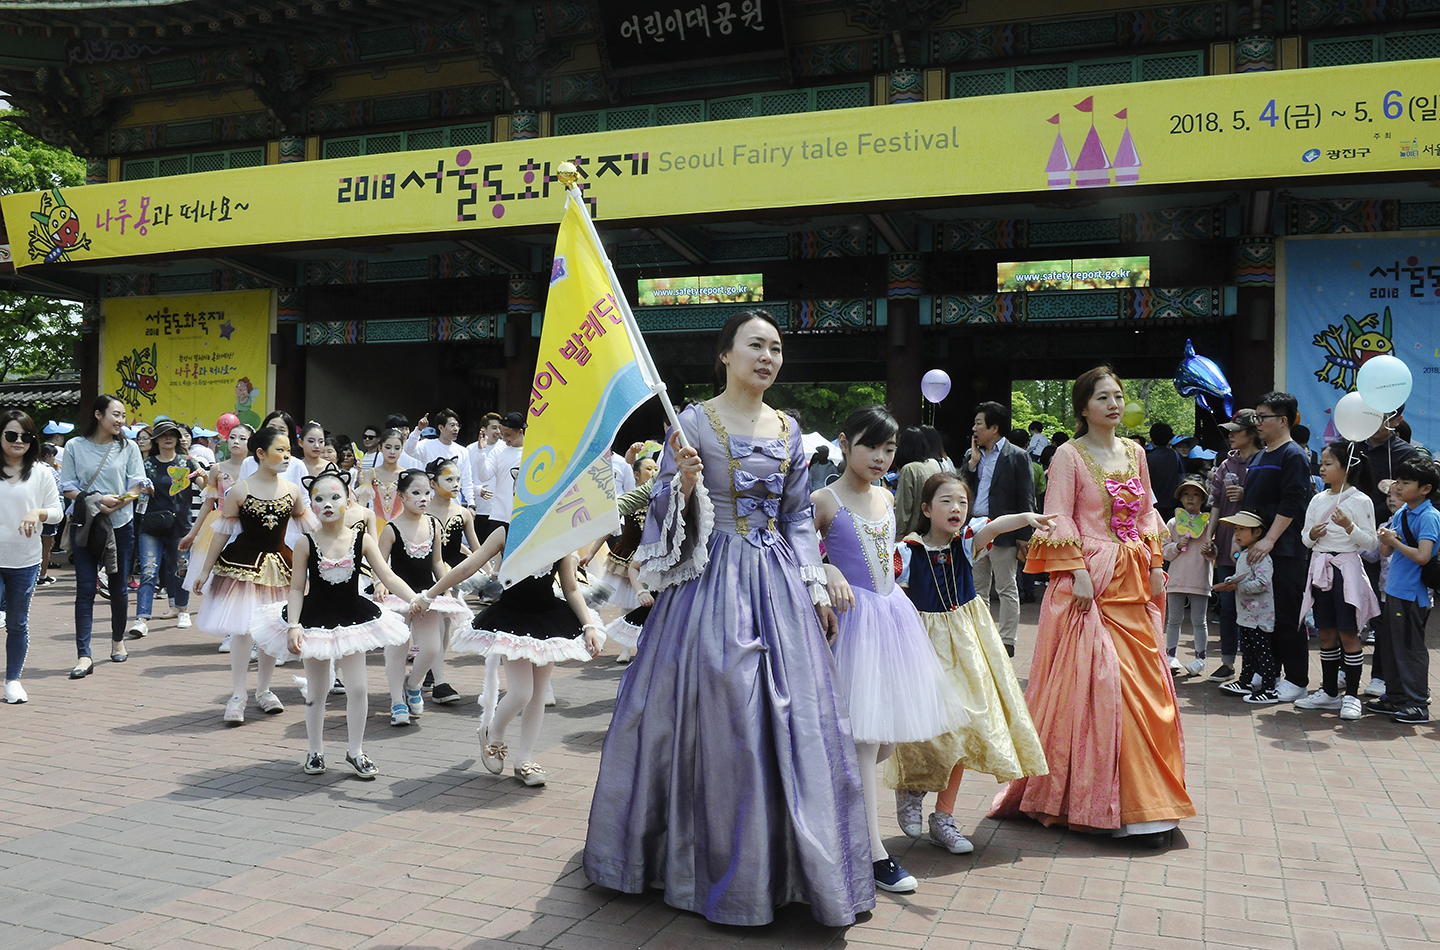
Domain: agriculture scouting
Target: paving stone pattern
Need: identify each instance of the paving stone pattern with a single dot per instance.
(132, 817)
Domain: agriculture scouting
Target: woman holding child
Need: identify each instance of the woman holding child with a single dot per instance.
(1100, 690)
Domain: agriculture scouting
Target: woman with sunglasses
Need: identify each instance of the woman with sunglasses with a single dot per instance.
(28, 499)
(102, 462)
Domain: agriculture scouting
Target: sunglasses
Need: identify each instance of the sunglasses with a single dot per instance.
(12, 436)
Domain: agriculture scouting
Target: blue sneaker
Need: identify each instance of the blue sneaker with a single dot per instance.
(399, 715)
(414, 699)
(890, 876)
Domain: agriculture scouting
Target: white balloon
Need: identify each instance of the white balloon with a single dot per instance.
(935, 385)
(1384, 382)
(1355, 419)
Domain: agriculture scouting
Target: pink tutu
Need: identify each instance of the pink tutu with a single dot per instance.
(445, 607)
(231, 604)
(514, 646)
(270, 631)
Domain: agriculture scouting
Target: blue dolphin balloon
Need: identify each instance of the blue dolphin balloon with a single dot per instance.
(1201, 378)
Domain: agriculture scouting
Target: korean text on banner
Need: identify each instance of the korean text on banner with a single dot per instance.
(1284, 124)
(193, 357)
(588, 379)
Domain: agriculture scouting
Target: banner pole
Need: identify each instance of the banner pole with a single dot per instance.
(567, 175)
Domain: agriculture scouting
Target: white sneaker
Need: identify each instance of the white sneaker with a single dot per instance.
(14, 692)
(235, 710)
(1376, 688)
(1176, 666)
(549, 701)
(225, 644)
(1318, 700)
(1351, 708)
(182, 622)
(910, 812)
(1195, 667)
(1288, 691)
(138, 629)
(944, 833)
(1340, 679)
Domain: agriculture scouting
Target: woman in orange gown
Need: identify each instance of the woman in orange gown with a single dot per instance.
(1100, 690)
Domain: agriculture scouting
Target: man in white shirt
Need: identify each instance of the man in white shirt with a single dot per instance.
(202, 446)
(481, 463)
(509, 452)
(447, 429)
(1038, 442)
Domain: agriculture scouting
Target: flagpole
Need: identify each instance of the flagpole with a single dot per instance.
(569, 177)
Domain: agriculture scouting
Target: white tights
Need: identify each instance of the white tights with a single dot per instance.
(318, 677)
(525, 685)
(871, 754)
(240, 646)
(427, 631)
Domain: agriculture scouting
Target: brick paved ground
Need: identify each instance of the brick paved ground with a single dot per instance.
(131, 817)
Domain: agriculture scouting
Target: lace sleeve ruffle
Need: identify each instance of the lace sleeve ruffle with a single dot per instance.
(1055, 550)
(229, 527)
(673, 551)
(814, 577)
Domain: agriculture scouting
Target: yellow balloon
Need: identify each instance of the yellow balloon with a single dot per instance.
(1134, 414)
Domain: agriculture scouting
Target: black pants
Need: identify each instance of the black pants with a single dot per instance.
(1291, 653)
(1259, 657)
(1407, 662)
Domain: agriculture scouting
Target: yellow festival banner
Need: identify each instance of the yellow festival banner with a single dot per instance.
(590, 374)
(1274, 125)
(191, 357)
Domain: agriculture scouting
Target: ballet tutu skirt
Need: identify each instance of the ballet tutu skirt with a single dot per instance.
(626, 630)
(528, 622)
(363, 632)
(447, 608)
(231, 604)
(888, 670)
(999, 739)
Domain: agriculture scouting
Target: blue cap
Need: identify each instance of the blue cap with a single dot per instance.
(58, 428)
(1200, 452)
(1182, 438)
(200, 432)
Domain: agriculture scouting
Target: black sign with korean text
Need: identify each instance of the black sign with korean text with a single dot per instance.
(643, 35)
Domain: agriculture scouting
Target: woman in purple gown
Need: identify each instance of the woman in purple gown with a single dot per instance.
(728, 774)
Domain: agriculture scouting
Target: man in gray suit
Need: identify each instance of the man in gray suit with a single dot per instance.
(1000, 479)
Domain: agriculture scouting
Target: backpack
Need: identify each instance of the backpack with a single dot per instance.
(1430, 570)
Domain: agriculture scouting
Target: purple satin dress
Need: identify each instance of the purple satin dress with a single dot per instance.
(728, 774)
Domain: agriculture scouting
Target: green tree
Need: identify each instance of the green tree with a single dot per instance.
(1049, 401)
(37, 334)
(27, 164)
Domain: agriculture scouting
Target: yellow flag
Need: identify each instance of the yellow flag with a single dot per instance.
(591, 373)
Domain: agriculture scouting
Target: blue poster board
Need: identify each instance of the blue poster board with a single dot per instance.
(1349, 300)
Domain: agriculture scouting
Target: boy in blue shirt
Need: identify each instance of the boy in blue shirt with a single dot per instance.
(1411, 537)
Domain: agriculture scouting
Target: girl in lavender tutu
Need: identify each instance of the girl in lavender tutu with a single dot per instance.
(884, 662)
(326, 620)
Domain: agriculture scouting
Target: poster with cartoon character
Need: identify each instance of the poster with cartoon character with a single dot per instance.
(192, 357)
(1349, 300)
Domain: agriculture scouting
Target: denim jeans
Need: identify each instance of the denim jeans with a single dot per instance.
(159, 560)
(18, 584)
(87, 569)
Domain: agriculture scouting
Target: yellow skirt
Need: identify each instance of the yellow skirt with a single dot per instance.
(1000, 739)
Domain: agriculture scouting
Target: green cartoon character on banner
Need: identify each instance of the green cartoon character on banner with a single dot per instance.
(138, 376)
(57, 230)
(1348, 347)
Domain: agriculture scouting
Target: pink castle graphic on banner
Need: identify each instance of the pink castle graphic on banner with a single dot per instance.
(1093, 167)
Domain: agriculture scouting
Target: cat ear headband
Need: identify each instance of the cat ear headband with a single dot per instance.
(330, 471)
